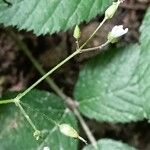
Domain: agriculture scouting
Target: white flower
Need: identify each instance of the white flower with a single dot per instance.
(116, 32)
(46, 148)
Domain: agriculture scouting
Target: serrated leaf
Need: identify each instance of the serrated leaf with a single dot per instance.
(16, 133)
(145, 49)
(108, 144)
(109, 87)
(49, 16)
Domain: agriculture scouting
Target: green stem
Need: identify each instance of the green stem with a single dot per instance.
(37, 65)
(60, 64)
(100, 25)
(48, 73)
(95, 48)
(6, 101)
(26, 116)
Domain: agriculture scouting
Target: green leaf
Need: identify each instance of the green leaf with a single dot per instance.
(16, 133)
(145, 64)
(109, 87)
(145, 27)
(49, 16)
(108, 144)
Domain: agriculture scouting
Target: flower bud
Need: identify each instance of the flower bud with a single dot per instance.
(46, 148)
(109, 13)
(116, 32)
(69, 131)
(77, 32)
(37, 134)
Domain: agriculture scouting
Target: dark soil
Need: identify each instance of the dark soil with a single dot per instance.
(17, 72)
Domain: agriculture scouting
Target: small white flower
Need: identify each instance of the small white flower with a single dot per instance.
(116, 32)
(46, 148)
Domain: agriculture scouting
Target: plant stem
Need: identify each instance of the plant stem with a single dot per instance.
(6, 101)
(68, 100)
(95, 48)
(53, 85)
(26, 116)
(100, 25)
(37, 65)
(61, 63)
(48, 73)
(86, 128)
(77, 42)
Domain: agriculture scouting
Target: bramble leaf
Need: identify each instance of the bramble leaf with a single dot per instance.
(145, 64)
(108, 144)
(109, 88)
(49, 16)
(41, 106)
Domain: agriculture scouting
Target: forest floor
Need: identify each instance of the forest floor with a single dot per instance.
(17, 72)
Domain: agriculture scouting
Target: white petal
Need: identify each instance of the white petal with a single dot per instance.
(118, 31)
(46, 148)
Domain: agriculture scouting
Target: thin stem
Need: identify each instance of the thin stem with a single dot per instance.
(49, 119)
(95, 48)
(48, 73)
(100, 25)
(26, 116)
(86, 129)
(77, 42)
(37, 65)
(61, 63)
(6, 101)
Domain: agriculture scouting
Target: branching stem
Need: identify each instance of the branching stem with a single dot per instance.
(48, 73)
(95, 48)
(100, 25)
(67, 99)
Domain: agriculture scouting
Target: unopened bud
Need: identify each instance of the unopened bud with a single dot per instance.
(77, 32)
(109, 13)
(46, 148)
(71, 132)
(37, 134)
